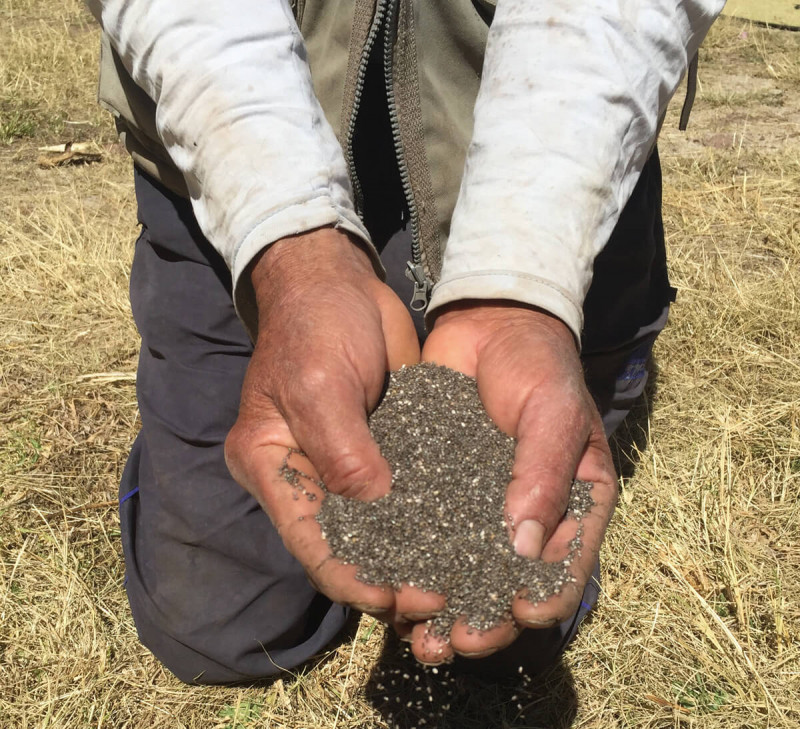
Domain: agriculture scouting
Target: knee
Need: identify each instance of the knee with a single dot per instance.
(249, 648)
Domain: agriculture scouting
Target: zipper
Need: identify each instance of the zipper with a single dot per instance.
(377, 23)
(422, 284)
(299, 7)
(416, 269)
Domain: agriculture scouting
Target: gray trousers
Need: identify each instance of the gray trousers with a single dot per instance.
(213, 592)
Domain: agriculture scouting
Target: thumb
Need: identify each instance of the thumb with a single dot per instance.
(399, 334)
(329, 421)
(551, 440)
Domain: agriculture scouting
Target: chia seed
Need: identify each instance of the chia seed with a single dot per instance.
(442, 527)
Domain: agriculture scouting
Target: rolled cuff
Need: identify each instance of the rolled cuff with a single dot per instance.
(511, 286)
(293, 220)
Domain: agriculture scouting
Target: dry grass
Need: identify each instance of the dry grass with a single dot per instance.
(700, 621)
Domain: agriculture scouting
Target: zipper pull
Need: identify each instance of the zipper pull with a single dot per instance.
(422, 286)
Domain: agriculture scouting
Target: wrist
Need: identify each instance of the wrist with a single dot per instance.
(489, 316)
(323, 256)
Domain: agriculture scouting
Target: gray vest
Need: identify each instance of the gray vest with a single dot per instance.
(433, 59)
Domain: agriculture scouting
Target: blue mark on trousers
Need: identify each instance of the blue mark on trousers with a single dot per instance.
(635, 369)
(128, 495)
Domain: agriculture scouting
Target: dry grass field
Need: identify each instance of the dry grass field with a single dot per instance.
(699, 621)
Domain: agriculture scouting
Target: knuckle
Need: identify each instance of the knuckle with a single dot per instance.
(543, 489)
(234, 444)
(577, 412)
(313, 377)
(348, 474)
(244, 439)
(304, 389)
(543, 504)
(235, 451)
(552, 510)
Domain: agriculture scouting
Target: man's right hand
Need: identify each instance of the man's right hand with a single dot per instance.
(328, 332)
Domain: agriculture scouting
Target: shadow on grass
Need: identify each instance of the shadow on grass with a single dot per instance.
(409, 695)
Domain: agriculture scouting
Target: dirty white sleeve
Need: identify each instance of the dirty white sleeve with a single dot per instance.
(566, 117)
(237, 113)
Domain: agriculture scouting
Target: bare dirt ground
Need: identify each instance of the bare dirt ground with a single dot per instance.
(699, 620)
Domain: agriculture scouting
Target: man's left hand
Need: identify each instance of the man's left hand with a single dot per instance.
(531, 383)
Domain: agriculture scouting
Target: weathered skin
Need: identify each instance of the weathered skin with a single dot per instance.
(328, 329)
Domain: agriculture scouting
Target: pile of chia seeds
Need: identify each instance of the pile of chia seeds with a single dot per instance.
(442, 527)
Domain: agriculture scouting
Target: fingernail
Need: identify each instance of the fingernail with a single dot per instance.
(548, 623)
(417, 617)
(369, 609)
(480, 654)
(528, 539)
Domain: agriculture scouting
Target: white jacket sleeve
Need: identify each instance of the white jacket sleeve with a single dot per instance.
(567, 114)
(237, 113)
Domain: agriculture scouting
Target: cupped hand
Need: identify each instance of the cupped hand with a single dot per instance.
(531, 383)
(328, 332)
